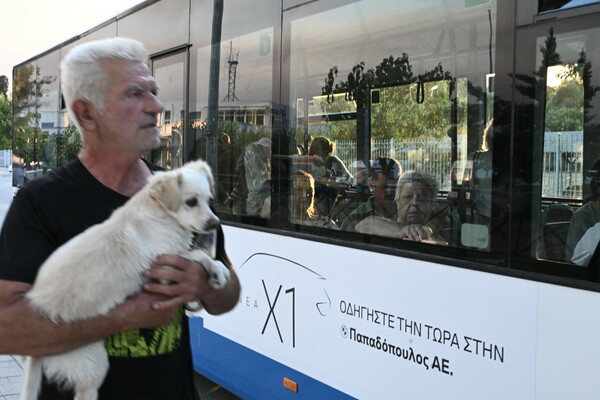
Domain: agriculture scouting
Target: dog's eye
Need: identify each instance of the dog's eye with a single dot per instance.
(193, 202)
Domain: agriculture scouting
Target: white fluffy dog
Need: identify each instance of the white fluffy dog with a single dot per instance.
(98, 269)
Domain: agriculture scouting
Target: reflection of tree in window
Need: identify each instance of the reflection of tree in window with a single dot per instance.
(27, 97)
(565, 98)
(404, 118)
(390, 72)
(565, 91)
(552, 72)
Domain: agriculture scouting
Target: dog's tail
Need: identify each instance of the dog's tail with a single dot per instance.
(32, 379)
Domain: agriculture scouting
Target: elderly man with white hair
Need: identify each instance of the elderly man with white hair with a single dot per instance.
(112, 98)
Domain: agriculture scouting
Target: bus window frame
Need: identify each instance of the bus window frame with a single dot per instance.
(563, 273)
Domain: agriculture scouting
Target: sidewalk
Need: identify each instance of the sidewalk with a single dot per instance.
(11, 367)
(11, 373)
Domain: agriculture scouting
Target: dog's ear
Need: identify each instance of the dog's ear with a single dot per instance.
(202, 167)
(166, 191)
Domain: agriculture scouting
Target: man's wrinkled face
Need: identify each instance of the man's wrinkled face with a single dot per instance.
(130, 117)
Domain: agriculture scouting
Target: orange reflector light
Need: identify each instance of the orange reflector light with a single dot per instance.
(293, 386)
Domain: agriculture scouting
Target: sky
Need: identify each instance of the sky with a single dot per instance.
(30, 27)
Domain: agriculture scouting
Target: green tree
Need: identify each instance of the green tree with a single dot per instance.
(411, 116)
(568, 106)
(3, 85)
(24, 110)
(5, 115)
(564, 107)
(392, 71)
(67, 145)
(27, 95)
(5, 122)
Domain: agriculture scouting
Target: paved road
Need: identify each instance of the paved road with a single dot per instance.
(11, 367)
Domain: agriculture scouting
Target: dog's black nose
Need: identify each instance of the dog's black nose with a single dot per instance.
(213, 223)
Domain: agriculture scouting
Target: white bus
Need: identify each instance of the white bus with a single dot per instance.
(466, 283)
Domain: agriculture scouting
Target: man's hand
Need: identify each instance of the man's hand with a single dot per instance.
(139, 312)
(187, 281)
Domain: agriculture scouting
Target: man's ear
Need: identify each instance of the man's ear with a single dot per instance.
(83, 111)
(165, 191)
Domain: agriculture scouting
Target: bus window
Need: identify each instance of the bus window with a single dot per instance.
(388, 94)
(246, 147)
(569, 208)
(565, 205)
(563, 136)
(555, 5)
(410, 124)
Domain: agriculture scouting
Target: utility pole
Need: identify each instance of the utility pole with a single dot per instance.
(213, 88)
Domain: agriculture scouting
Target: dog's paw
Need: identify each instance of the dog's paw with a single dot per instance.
(218, 275)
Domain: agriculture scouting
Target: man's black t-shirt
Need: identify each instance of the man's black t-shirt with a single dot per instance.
(145, 364)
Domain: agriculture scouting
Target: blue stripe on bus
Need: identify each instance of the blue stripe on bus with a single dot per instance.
(249, 374)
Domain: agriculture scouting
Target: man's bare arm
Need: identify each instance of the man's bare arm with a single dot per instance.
(223, 300)
(25, 331)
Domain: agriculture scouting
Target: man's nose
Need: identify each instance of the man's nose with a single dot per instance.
(154, 105)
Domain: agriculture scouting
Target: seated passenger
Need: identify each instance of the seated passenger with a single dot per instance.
(383, 176)
(331, 168)
(585, 248)
(418, 218)
(330, 173)
(302, 207)
(587, 215)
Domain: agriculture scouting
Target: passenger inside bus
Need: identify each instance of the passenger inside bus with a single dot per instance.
(418, 216)
(481, 179)
(383, 177)
(584, 218)
(257, 169)
(302, 203)
(332, 167)
(330, 173)
(587, 246)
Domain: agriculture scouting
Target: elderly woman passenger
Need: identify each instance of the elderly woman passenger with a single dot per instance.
(418, 218)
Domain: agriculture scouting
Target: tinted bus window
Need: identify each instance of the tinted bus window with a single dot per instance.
(247, 111)
(392, 124)
(552, 5)
(560, 91)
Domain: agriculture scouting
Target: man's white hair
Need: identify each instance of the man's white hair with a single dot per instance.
(83, 75)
